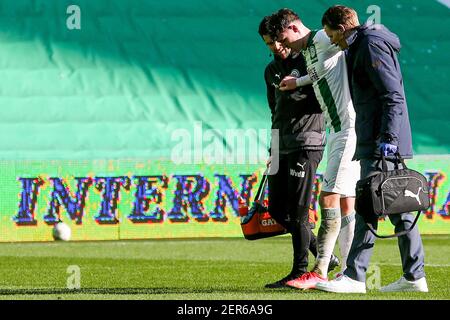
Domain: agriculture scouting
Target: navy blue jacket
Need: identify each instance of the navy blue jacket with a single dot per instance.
(377, 92)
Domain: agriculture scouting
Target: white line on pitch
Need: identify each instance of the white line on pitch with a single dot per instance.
(399, 264)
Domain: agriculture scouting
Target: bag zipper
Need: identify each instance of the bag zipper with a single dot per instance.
(396, 178)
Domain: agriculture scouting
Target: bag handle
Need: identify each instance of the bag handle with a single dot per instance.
(398, 234)
(259, 197)
(397, 157)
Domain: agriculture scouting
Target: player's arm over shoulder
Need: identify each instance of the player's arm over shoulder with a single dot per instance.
(323, 42)
(320, 53)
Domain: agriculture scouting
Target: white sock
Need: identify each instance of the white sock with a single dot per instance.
(346, 238)
(330, 226)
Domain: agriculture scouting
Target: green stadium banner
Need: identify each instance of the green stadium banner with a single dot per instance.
(119, 117)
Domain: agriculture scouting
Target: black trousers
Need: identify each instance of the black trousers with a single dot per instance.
(290, 192)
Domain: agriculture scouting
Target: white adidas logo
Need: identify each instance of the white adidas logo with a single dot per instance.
(413, 195)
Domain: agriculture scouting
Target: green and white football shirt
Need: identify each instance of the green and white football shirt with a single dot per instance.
(327, 69)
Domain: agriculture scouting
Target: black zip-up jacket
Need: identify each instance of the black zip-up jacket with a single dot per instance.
(377, 92)
(296, 114)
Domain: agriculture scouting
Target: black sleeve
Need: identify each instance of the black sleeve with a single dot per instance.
(270, 91)
(271, 100)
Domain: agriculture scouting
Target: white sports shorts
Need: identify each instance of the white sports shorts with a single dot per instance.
(342, 173)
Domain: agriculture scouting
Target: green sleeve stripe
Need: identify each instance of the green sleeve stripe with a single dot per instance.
(311, 37)
(330, 104)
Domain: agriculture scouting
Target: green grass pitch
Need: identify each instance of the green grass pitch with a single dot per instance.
(191, 269)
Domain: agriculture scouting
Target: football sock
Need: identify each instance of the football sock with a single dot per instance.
(330, 226)
(345, 238)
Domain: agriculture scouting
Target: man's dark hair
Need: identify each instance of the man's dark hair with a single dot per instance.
(263, 29)
(337, 15)
(280, 21)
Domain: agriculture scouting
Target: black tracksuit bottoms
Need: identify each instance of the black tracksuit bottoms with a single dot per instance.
(290, 193)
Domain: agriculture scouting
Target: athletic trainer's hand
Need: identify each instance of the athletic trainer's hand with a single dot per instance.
(388, 149)
(269, 161)
(288, 83)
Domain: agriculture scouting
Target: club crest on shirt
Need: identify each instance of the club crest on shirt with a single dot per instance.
(295, 73)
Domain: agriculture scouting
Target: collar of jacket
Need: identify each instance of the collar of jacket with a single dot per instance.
(352, 37)
(355, 34)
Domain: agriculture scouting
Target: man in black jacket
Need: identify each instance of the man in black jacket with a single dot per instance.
(382, 125)
(301, 129)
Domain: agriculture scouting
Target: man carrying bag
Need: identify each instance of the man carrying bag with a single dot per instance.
(382, 127)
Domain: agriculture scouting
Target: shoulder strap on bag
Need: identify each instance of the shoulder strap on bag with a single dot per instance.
(398, 234)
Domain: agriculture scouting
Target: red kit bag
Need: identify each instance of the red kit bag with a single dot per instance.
(256, 222)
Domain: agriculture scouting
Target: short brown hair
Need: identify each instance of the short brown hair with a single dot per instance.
(280, 21)
(337, 15)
